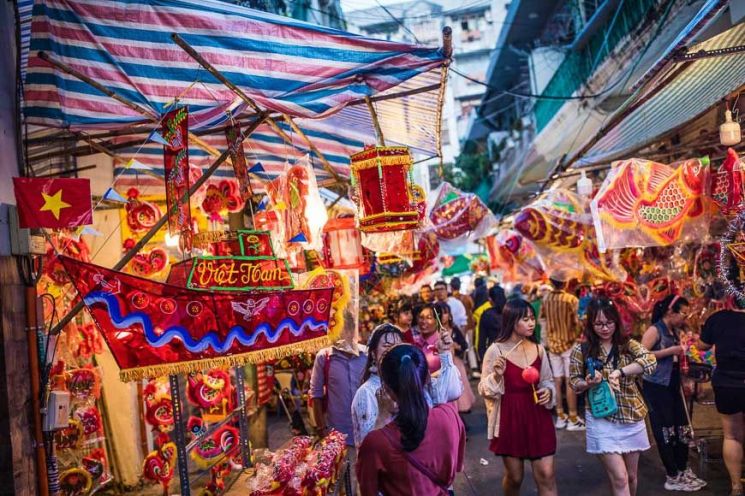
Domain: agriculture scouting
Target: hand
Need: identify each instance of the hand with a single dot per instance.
(544, 396)
(594, 380)
(445, 341)
(386, 406)
(675, 350)
(614, 379)
(499, 365)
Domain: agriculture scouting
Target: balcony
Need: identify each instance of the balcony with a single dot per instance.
(578, 66)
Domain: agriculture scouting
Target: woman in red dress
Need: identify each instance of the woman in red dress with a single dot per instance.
(517, 386)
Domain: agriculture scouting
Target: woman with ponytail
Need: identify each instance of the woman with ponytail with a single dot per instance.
(422, 449)
(664, 396)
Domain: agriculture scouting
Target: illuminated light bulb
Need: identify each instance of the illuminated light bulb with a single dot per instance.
(729, 132)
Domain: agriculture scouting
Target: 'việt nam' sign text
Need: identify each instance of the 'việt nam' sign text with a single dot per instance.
(239, 273)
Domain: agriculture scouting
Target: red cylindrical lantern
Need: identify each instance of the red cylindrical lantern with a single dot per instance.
(383, 191)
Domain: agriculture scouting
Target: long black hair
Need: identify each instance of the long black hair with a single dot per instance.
(513, 311)
(671, 302)
(376, 337)
(609, 309)
(404, 371)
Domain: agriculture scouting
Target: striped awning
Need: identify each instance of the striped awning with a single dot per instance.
(318, 75)
(663, 107)
(285, 66)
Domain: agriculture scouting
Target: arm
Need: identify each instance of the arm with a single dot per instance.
(447, 386)
(644, 363)
(577, 370)
(547, 379)
(317, 380)
(364, 414)
(491, 385)
(706, 340)
(649, 339)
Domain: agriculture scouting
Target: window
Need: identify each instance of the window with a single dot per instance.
(464, 25)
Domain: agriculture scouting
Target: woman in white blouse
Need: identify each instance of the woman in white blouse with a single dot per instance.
(371, 407)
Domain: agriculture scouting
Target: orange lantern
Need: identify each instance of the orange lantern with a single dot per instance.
(383, 189)
(342, 245)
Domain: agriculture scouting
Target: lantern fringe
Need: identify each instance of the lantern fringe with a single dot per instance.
(259, 356)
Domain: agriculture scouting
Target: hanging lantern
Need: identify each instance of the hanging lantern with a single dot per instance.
(383, 189)
(342, 245)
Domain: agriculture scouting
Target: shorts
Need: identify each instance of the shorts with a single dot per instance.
(729, 400)
(560, 363)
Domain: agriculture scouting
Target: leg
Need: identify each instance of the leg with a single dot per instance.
(734, 431)
(615, 467)
(544, 475)
(559, 383)
(513, 476)
(658, 400)
(631, 460)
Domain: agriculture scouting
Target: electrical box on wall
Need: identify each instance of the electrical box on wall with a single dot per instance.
(58, 411)
(17, 241)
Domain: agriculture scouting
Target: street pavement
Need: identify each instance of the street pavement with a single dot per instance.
(577, 473)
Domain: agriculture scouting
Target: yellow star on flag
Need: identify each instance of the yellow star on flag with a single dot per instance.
(54, 203)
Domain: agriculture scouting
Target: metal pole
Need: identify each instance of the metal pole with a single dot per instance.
(180, 430)
(162, 221)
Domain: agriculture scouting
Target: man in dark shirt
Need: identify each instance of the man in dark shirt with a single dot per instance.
(491, 321)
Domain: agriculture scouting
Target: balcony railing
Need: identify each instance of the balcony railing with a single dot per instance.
(578, 66)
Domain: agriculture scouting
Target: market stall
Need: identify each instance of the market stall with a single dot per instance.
(205, 134)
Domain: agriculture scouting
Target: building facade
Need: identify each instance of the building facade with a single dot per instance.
(475, 29)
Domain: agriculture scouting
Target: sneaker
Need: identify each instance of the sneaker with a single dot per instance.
(576, 425)
(678, 483)
(561, 422)
(689, 476)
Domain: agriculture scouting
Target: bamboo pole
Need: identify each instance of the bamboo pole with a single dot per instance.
(249, 101)
(162, 221)
(149, 114)
(376, 122)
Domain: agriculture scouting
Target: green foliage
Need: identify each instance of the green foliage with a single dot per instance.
(471, 168)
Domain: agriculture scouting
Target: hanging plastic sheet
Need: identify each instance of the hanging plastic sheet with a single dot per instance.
(644, 203)
(560, 227)
(458, 218)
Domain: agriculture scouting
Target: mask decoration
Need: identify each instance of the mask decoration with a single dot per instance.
(84, 383)
(223, 442)
(159, 465)
(71, 437)
(210, 390)
(90, 417)
(75, 482)
(223, 197)
(158, 407)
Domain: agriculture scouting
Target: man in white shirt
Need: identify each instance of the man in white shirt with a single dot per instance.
(460, 318)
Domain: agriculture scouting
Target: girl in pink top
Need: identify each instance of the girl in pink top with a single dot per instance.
(422, 449)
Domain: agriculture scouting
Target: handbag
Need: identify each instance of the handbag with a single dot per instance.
(601, 398)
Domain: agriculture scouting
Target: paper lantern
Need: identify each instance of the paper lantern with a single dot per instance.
(383, 192)
(342, 245)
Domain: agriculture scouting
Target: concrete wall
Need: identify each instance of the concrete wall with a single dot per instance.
(17, 470)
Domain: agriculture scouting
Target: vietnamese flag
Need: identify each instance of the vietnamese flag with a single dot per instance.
(53, 203)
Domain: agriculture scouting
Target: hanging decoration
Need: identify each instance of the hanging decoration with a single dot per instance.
(238, 159)
(340, 299)
(560, 227)
(141, 215)
(175, 132)
(518, 253)
(211, 391)
(158, 405)
(146, 263)
(732, 258)
(220, 198)
(342, 245)
(382, 189)
(294, 195)
(726, 186)
(159, 464)
(456, 215)
(645, 203)
(75, 482)
(156, 329)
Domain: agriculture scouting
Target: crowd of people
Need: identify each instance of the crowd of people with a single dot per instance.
(535, 354)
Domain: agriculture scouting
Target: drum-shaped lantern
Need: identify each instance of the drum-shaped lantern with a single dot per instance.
(382, 180)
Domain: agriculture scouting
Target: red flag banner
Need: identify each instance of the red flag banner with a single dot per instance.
(53, 203)
(238, 157)
(156, 329)
(175, 131)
